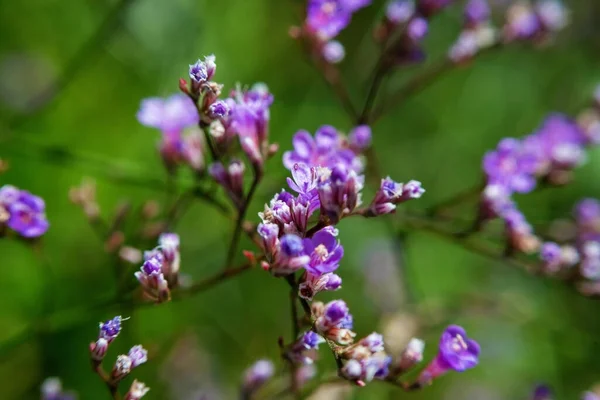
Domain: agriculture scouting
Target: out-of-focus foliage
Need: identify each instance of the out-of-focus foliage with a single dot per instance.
(71, 77)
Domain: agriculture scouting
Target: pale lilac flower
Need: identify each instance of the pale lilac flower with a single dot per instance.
(412, 355)
(325, 253)
(138, 356)
(374, 342)
(170, 115)
(521, 22)
(137, 391)
(553, 15)
(551, 255)
(391, 193)
(230, 178)
(98, 349)
(366, 369)
(256, 376)
(400, 11)
(333, 52)
(218, 109)
(122, 368)
(51, 389)
(168, 244)
(589, 396)
(417, 29)
(456, 352)
(465, 47)
(311, 340)
(360, 138)
(340, 194)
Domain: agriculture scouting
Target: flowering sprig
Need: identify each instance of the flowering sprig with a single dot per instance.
(124, 363)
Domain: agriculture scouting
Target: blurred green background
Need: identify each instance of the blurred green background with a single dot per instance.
(72, 74)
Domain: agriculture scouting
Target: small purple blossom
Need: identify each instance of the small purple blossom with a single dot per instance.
(137, 390)
(170, 115)
(336, 312)
(122, 368)
(198, 72)
(521, 22)
(326, 149)
(325, 253)
(340, 194)
(51, 389)
(152, 279)
(552, 14)
(542, 392)
(257, 375)
(25, 212)
(218, 109)
(110, 329)
(327, 18)
(391, 193)
(417, 29)
(456, 352)
(138, 355)
(476, 12)
(360, 138)
(510, 166)
(374, 342)
(312, 340)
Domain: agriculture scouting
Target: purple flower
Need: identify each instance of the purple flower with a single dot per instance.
(456, 352)
(558, 143)
(400, 11)
(327, 18)
(336, 312)
(230, 178)
(417, 29)
(520, 232)
(542, 392)
(510, 166)
(521, 22)
(98, 349)
(495, 201)
(26, 212)
(550, 253)
(552, 14)
(170, 115)
(137, 390)
(360, 138)
(476, 12)
(333, 52)
(313, 284)
(152, 279)
(122, 368)
(292, 246)
(325, 253)
(110, 329)
(374, 342)
(586, 396)
(198, 72)
(305, 180)
(138, 355)
(52, 389)
(465, 47)
(288, 254)
(312, 340)
(326, 149)
(391, 193)
(218, 109)
(256, 376)
(366, 369)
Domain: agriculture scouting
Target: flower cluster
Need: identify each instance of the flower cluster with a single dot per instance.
(548, 155)
(173, 116)
(22, 212)
(136, 356)
(365, 359)
(326, 176)
(325, 19)
(160, 271)
(52, 389)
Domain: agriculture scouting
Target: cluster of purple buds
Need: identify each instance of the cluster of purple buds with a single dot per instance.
(52, 389)
(581, 250)
(256, 376)
(366, 360)
(325, 19)
(537, 21)
(390, 194)
(334, 322)
(137, 355)
(160, 271)
(173, 116)
(590, 396)
(477, 33)
(22, 212)
(231, 179)
(516, 166)
(455, 352)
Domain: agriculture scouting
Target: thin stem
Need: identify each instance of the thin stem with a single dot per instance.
(241, 216)
(380, 71)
